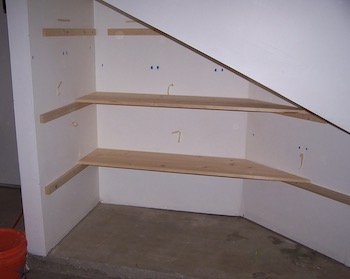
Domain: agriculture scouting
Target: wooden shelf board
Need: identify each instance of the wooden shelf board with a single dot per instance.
(191, 102)
(190, 164)
(187, 164)
(49, 32)
(131, 31)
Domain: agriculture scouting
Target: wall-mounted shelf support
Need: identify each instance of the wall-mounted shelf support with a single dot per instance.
(56, 113)
(57, 183)
(50, 32)
(340, 197)
(131, 31)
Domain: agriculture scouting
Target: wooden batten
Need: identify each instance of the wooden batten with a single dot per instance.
(340, 197)
(131, 31)
(56, 113)
(57, 183)
(304, 115)
(50, 32)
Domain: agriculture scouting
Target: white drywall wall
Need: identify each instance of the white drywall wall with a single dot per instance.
(319, 152)
(56, 70)
(307, 218)
(64, 69)
(25, 124)
(9, 169)
(296, 48)
(123, 64)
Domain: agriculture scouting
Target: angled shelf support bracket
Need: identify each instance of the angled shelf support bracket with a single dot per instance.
(57, 183)
(56, 113)
(131, 31)
(54, 32)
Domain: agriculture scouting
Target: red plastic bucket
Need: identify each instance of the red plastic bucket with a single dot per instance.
(13, 251)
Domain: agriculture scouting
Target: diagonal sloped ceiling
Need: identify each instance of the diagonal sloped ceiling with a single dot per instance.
(299, 49)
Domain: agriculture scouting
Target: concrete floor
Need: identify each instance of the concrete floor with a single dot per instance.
(10, 207)
(127, 242)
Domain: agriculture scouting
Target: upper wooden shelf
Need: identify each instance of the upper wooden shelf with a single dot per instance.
(187, 164)
(181, 101)
(193, 102)
(178, 101)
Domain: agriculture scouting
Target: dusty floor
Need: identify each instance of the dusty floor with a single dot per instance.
(10, 207)
(170, 244)
(127, 242)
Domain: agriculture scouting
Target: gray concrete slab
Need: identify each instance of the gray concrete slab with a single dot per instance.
(40, 274)
(130, 242)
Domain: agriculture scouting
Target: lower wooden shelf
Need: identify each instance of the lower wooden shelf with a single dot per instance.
(188, 164)
(191, 164)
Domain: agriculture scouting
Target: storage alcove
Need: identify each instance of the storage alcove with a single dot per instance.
(171, 129)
